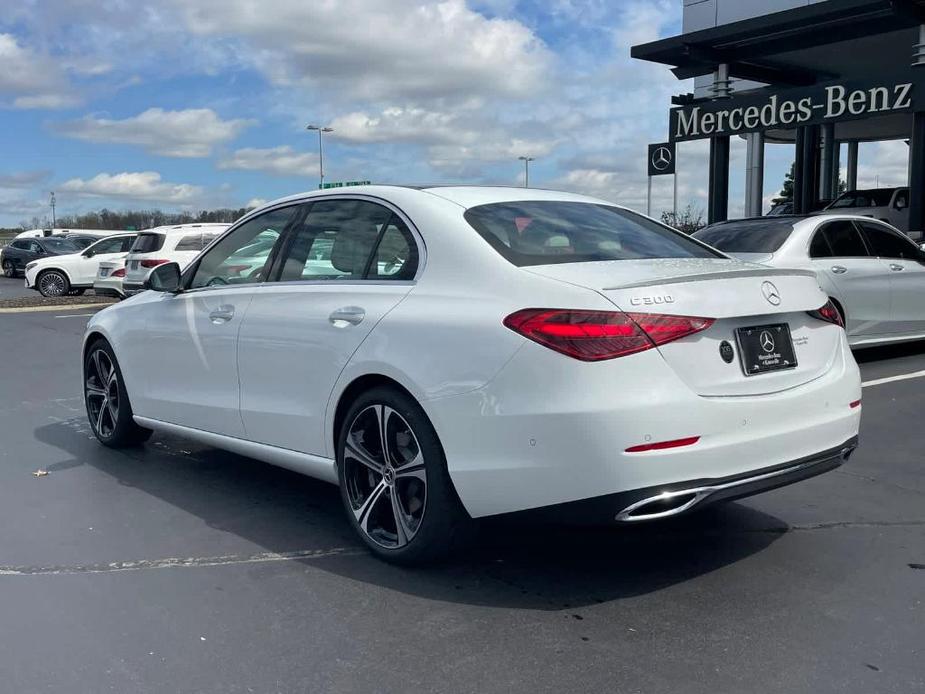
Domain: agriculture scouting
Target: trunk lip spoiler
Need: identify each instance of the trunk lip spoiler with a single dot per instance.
(718, 275)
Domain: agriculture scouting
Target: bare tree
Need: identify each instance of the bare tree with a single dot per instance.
(688, 220)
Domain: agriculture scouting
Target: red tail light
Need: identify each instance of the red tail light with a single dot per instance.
(599, 335)
(118, 273)
(153, 262)
(829, 314)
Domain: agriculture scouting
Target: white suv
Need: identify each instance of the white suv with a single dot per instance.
(172, 244)
(59, 275)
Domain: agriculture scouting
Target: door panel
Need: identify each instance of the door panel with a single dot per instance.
(840, 254)
(346, 264)
(192, 376)
(901, 260)
(293, 344)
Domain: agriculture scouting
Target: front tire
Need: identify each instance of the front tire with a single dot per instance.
(394, 481)
(108, 406)
(53, 283)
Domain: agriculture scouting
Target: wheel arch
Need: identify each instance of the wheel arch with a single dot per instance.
(357, 386)
(53, 268)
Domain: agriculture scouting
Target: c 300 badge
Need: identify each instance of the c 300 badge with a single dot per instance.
(653, 300)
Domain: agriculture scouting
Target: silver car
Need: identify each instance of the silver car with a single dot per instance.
(874, 274)
(890, 205)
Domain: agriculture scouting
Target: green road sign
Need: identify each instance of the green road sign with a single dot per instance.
(342, 184)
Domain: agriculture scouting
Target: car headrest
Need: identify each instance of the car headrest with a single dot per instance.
(350, 251)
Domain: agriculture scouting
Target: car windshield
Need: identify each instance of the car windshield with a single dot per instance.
(61, 245)
(757, 236)
(545, 232)
(862, 198)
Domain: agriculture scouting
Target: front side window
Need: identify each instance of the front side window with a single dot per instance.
(544, 232)
(108, 246)
(842, 240)
(336, 241)
(887, 244)
(242, 257)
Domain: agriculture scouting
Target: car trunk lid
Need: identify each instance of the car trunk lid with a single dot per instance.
(734, 293)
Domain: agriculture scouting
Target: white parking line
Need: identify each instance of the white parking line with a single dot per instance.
(75, 315)
(180, 563)
(891, 379)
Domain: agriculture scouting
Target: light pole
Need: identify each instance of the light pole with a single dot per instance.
(526, 161)
(321, 130)
(53, 220)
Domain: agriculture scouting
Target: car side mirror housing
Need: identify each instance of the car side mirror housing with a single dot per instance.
(164, 278)
(89, 253)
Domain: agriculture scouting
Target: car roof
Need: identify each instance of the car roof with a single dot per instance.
(186, 228)
(463, 195)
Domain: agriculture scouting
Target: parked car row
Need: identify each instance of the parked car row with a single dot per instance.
(115, 265)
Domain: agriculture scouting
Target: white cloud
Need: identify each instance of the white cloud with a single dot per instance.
(375, 49)
(23, 179)
(883, 164)
(32, 80)
(187, 133)
(278, 161)
(255, 202)
(142, 185)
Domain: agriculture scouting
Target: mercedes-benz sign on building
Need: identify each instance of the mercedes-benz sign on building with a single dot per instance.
(815, 74)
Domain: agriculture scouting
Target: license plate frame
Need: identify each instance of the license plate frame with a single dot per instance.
(759, 355)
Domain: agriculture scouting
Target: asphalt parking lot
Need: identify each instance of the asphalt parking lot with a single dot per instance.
(179, 568)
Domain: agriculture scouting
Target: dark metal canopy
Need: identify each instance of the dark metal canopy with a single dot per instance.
(798, 46)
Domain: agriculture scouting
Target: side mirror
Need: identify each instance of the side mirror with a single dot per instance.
(164, 278)
(900, 205)
(89, 253)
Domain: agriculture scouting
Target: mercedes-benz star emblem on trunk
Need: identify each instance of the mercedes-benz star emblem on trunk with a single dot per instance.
(770, 293)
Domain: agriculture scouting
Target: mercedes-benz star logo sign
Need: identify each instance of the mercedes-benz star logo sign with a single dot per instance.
(770, 293)
(767, 342)
(661, 158)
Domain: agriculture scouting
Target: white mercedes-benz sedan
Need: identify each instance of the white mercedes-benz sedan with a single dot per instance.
(448, 354)
(874, 274)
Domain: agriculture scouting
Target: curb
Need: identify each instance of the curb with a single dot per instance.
(58, 307)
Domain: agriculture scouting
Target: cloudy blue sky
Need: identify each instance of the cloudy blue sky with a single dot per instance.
(193, 104)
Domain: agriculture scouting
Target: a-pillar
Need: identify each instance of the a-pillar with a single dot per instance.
(718, 204)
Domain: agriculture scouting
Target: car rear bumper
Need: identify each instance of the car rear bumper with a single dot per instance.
(677, 498)
(549, 431)
(102, 290)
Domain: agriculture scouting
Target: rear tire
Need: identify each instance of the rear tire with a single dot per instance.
(399, 497)
(108, 406)
(8, 269)
(53, 283)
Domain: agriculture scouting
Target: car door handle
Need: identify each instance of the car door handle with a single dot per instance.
(353, 315)
(839, 269)
(222, 314)
(897, 268)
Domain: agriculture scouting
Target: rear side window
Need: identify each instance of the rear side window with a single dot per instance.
(888, 244)
(21, 245)
(763, 236)
(148, 243)
(190, 242)
(335, 241)
(841, 240)
(545, 232)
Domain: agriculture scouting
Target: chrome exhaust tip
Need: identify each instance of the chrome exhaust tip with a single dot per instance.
(846, 452)
(663, 505)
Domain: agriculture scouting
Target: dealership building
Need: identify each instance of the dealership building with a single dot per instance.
(811, 75)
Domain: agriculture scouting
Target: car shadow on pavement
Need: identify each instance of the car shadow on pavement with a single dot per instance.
(887, 352)
(512, 565)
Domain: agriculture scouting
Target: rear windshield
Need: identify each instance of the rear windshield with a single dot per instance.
(545, 232)
(863, 198)
(761, 236)
(147, 243)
